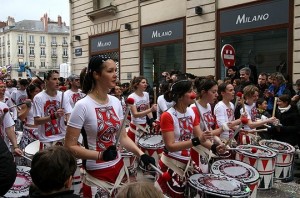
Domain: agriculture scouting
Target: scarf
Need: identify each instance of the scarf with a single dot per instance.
(284, 109)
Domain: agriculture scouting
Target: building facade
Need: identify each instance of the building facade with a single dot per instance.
(42, 45)
(147, 37)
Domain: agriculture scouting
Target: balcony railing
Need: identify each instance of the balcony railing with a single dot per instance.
(53, 44)
(53, 55)
(20, 42)
(65, 55)
(65, 44)
(43, 56)
(31, 43)
(43, 44)
(31, 55)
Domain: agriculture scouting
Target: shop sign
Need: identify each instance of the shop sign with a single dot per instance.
(105, 42)
(254, 16)
(78, 51)
(162, 32)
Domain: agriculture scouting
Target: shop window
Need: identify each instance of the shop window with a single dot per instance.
(264, 51)
(158, 59)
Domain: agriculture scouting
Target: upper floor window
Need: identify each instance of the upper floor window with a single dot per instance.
(65, 52)
(98, 4)
(53, 51)
(43, 51)
(31, 39)
(53, 39)
(20, 50)
(65, 40)
(31, 50)
(20, 38)
(42, 39)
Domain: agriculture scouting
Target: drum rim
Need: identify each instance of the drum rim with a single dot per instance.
(158, 146)
(207, 190)
(290, 150)
(251, 180)
(24, 193)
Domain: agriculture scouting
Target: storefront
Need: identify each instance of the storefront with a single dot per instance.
(262, 35)
(162, 49)
(107, 44)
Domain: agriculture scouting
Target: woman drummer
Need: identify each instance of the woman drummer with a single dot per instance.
(99, 115)
(180, 131)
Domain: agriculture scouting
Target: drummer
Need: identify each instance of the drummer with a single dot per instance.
(49, 113)
(180, 132)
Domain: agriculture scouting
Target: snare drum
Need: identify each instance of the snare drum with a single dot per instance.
(152, 145)
(211, 185)
(263, 160)
(129, 160)
(238, 170)
(285, 155)
(32, 149)
(22, 183)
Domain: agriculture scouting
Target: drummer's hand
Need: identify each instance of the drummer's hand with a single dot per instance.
(146, 160)
(221, 149)
(18, 151)
(207, 135)
(272, 120)
(59, 113)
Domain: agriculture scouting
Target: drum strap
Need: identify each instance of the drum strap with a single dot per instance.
(85, 143)
(177, 166)
(109, 187)
(136, 132)
(204, 152)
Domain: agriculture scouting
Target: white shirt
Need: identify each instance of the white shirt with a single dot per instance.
(224, 114)
(142, 104)
(6, 123)
(101, 122)
(162, 106)
(43, 106)
(73, 97)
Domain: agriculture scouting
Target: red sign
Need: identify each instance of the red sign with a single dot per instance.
(228, 55)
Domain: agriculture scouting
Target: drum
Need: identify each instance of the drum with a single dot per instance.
(200, 156)
(32, 149)
(129, 160)
(22, 183)
(239, 171)
(152, 145)
(263, 160)
(211, 185)
(76, 181)
(285, 155)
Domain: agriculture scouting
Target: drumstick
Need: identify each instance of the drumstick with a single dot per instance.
(154, 95)
(253, 150)
(27, 157)
(62, 89)
(129, 102)
(244, 121)
(243, 103)
(239, 95)
(257, 130)
(166, 176)
(274, 106)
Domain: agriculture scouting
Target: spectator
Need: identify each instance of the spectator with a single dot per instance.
(139, 189)
(52, 171)
(245, 74)
(296, 98)
(262, 84)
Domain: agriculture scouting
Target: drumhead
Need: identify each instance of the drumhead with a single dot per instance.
(22, 183)
(261, 152)
(280, 147)
(151, 141)
(235, 169)
(32, 148)
(219, 185)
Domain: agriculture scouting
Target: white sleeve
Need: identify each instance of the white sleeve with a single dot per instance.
(37, 107)
(220, 114)
(77, 117)
(162, 105)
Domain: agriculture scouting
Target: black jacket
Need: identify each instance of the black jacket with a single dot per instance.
(64, 194)
(290, 130)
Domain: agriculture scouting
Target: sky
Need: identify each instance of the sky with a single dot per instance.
(34, 9)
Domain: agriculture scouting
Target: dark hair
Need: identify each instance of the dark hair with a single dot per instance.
(164, 86)
(139, 189)
(259, 101)
(96, 64)
(135, 81)
(51, 168)
(23, 82)
(49, 73)
(285, 98)
(177, 90)
(204, 84)
(30, 89)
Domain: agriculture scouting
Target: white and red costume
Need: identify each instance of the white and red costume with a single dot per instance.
(101, 122)
(224, 114)
(6, 121)
(176, 163)
(142, 104)
(44, 105)
(73, 97)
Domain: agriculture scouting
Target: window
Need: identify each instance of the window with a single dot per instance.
(43, 64)
(20, 38)
(43, 51)
(54, 63)
(20, 50)
(53, 51)
(31, 63)
(42, 39)
(65, 40)
(53, 40)
(65, 51)
(31, 50)
(31, 39)
(101, 3)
